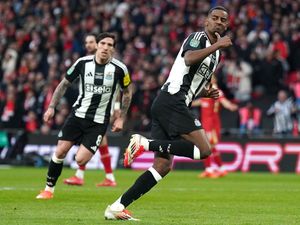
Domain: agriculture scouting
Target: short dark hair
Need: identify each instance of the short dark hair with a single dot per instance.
(218, 8)
(91, 34)
(105, 35)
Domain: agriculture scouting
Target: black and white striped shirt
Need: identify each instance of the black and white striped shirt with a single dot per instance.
(98, 86)
(190, 80)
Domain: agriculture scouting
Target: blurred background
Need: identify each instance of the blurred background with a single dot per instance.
(39, 41)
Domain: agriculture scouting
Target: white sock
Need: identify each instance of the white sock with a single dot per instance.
(197, 154)
(110, 176)
(51, 189)
(56, 160)
(155, 174)
(79, 173)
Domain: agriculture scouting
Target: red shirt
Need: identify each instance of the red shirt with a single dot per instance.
(210, 117)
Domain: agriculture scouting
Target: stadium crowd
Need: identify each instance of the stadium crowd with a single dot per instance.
(39, 40)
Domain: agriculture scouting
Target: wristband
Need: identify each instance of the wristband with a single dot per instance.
(117, 106)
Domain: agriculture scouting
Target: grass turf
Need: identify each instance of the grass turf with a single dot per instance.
(181, 198)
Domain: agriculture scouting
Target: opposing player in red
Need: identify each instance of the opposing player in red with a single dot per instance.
(211, 122)
(78, 178)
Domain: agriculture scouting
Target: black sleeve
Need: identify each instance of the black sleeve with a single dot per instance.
(74, 71)
(195, 41)
(125, 78)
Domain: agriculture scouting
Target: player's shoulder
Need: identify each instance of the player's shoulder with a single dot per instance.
(86, 58)
(198, 35)
(119, 63)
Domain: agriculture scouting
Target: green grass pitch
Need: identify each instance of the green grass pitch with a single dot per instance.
(181, 198)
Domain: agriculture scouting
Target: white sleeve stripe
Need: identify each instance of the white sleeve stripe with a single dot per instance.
(121, 65)
(198, 35)
(89, 57)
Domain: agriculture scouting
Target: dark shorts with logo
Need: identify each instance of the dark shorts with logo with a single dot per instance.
(83, 131)
(171, 117)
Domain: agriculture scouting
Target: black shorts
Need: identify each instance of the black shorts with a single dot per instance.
(171, 117)
(83, 131)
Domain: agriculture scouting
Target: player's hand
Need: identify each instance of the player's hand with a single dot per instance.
(117, 125)
(223, 42)
(116, 114)
(48, 115)
(212, 93)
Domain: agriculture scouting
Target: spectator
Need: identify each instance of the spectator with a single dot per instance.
(239, 73)
(42, 38)
(250, 119)
(282, 111)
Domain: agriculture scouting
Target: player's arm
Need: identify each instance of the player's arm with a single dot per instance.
(192, 56)
(57, 95)
(228, 104)
(196, 102)
(126, 86)
(126, 100)
(72, 74)
(117, 107)
(209, 92)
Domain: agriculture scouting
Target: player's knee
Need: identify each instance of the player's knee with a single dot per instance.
(62, 149)
(80, 160)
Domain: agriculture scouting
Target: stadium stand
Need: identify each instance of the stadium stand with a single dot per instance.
(39, 40)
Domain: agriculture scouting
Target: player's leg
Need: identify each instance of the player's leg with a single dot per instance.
(78, 178)
(177, 120)
(195, 146)
(68, 135)
(55, 168)
(210, 170)
(109, 180)
(83, 155)
(161, 167)
(217, 159)
(220, 171)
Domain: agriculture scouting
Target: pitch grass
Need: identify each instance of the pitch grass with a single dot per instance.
(181, 198)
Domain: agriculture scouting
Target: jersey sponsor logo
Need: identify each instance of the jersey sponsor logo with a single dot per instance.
(213, 59)
(126, 79)
(197, 123)
(108, 76)
(194, 43)
(89, 74)
(97, 89)
(204, 71)
(99, 76)
(70, 70)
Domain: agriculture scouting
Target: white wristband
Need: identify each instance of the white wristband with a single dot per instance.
(117, 106)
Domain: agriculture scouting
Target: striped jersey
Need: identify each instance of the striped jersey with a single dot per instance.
(98, 86)
(189, 81)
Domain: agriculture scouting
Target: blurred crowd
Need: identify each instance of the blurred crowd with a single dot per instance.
(39, 40)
